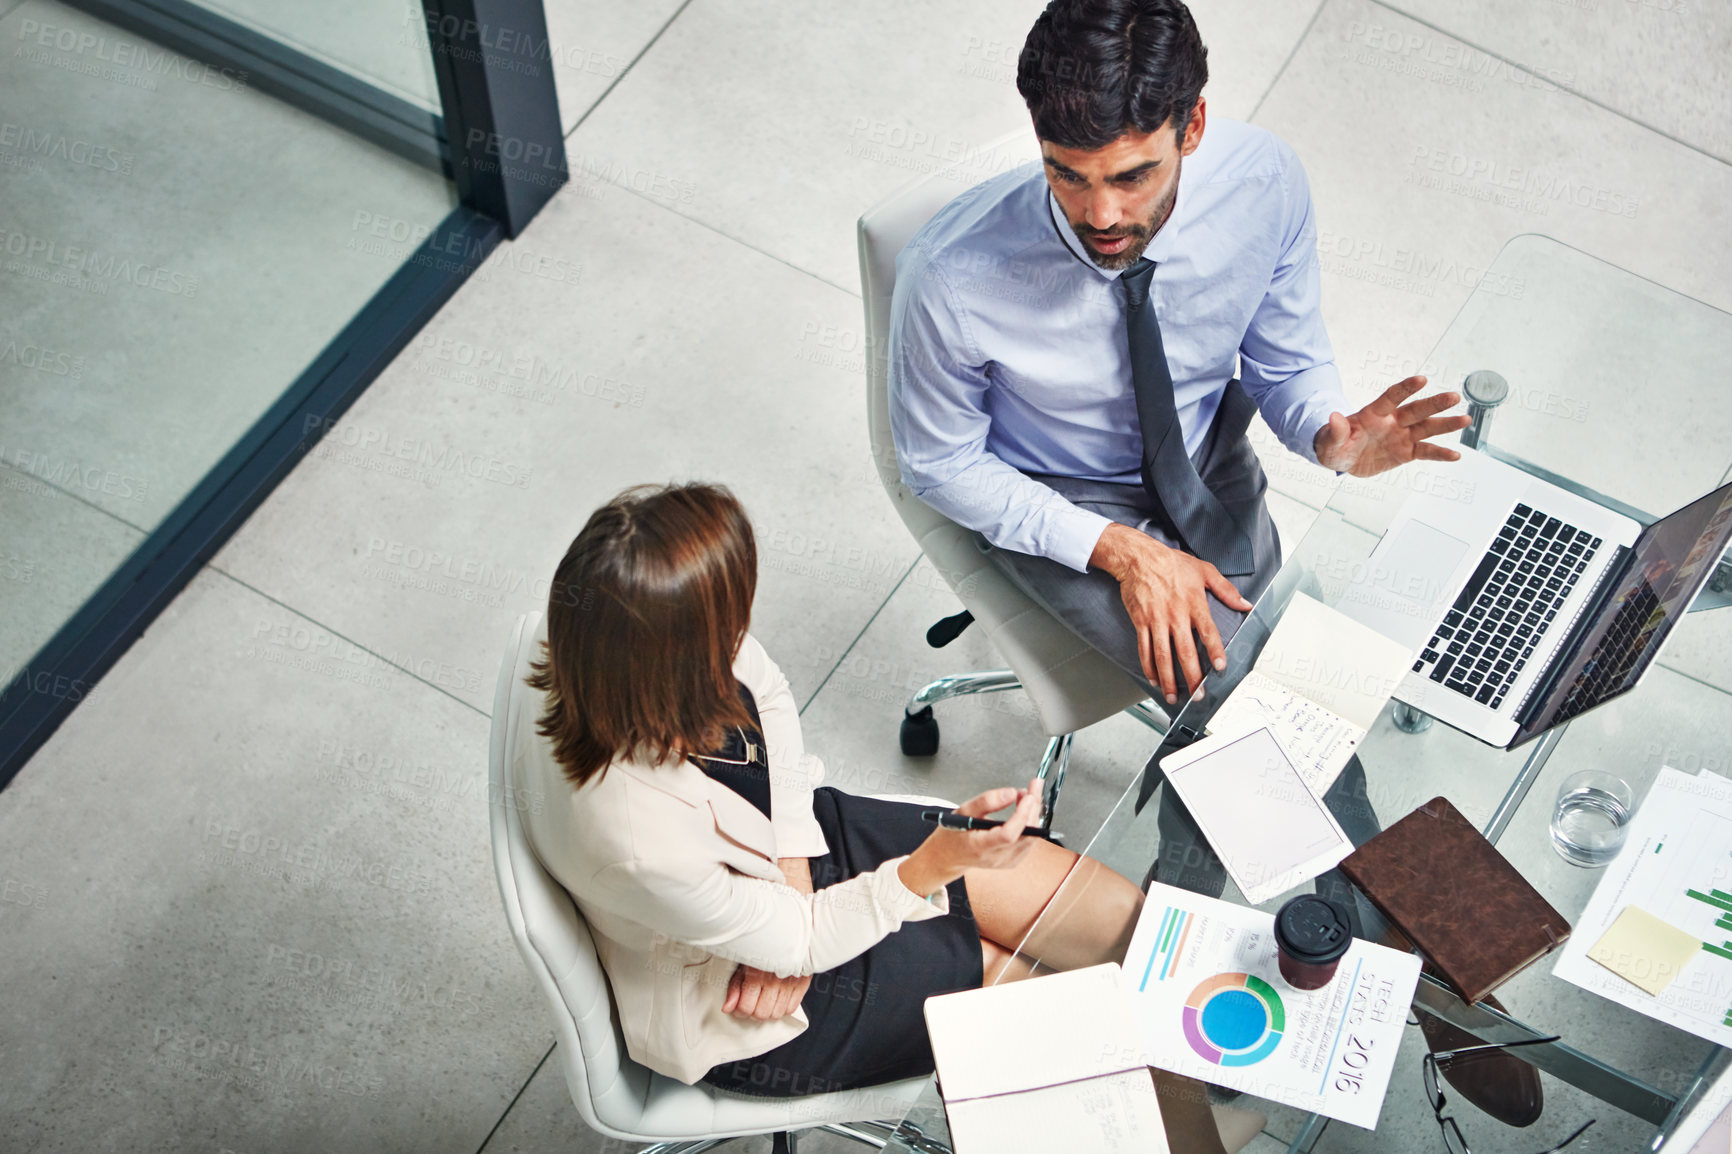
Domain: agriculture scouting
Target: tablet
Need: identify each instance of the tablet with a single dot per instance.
(1269, 829)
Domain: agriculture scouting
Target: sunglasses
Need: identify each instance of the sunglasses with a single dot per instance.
(1452, 1136)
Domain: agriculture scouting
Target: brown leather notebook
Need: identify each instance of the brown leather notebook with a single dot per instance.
(1470, 913)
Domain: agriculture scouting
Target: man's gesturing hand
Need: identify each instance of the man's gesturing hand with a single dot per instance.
(1387, 433)
(1166, 594)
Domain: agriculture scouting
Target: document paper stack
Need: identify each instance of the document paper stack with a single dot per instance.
(1671, 882)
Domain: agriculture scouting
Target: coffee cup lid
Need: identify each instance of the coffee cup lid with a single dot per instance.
(1314, 929)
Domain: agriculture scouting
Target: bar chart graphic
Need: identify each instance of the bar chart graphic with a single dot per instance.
(1721, 901)
(1170, 938)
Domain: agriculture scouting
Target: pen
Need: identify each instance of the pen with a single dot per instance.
(950, 819)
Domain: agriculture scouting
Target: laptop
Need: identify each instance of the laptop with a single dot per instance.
(1526, 604)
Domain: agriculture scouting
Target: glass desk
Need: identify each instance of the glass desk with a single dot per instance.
(1607, 372)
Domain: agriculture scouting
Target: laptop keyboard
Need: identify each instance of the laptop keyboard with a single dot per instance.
(1507, 605)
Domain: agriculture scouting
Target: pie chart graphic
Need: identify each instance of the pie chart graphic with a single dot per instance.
(1234, 1019)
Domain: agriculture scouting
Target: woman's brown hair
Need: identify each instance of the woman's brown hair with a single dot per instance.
(646, 613)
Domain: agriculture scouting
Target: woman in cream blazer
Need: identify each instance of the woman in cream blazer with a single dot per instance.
(677, 877)
(702, 904)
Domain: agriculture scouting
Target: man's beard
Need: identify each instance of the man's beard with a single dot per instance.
(1140, 234)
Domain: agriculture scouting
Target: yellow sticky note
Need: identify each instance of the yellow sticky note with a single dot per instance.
(1641, 948)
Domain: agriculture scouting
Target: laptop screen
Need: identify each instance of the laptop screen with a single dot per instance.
(1671, 561)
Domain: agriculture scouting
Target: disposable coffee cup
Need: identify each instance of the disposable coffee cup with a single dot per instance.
(1311, 934)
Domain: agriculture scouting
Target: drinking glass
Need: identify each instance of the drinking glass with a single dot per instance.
(1591, 818)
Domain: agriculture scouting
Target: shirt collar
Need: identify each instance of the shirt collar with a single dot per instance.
(1160, 247)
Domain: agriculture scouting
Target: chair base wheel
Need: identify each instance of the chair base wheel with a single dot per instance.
(919, 734)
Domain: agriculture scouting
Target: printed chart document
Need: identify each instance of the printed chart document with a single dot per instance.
(1675, 867)
(1319, 684)
(1262, 819)
(1211, 1004)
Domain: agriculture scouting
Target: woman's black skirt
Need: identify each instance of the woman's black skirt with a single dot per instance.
(867, 1025)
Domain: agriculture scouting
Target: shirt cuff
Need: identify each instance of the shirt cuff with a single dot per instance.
(1300, 405)
(904, 902)
(797, 831)
(1072, 541)
(800, 838)
(1307, 433)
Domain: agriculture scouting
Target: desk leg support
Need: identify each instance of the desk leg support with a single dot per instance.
(1408, 719)
(1713, 1066)
(1145, 712)
(1308, 1134)
(1718, 594)
(1524, 781)
(912, 1137)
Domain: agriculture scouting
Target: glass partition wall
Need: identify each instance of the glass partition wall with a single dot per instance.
(202, 209)
(382, 43)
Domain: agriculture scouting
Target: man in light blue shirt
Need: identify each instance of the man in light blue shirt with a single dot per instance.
(1078, 347)
(1063, 345)
(1014, 402)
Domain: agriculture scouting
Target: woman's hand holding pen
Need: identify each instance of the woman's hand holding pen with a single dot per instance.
(944, 856)
(947, 854)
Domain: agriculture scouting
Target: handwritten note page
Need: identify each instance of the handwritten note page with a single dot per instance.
(1316, 740)
(1318, 686)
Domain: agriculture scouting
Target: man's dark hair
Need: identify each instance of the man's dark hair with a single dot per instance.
(1092, 70)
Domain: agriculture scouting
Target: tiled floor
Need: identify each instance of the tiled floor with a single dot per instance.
(262, 913)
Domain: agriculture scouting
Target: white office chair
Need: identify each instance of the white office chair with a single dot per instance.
(1071, 684)
(615, 1095)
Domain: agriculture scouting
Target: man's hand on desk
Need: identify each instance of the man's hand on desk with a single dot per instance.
(1166, 592)
(758, 993)
(1387, 433)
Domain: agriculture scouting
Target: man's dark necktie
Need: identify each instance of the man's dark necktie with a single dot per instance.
(1197, 515)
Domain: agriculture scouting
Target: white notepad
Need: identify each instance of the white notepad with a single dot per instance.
(1048, 1063)
(1268, 827)
(1320, 682)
